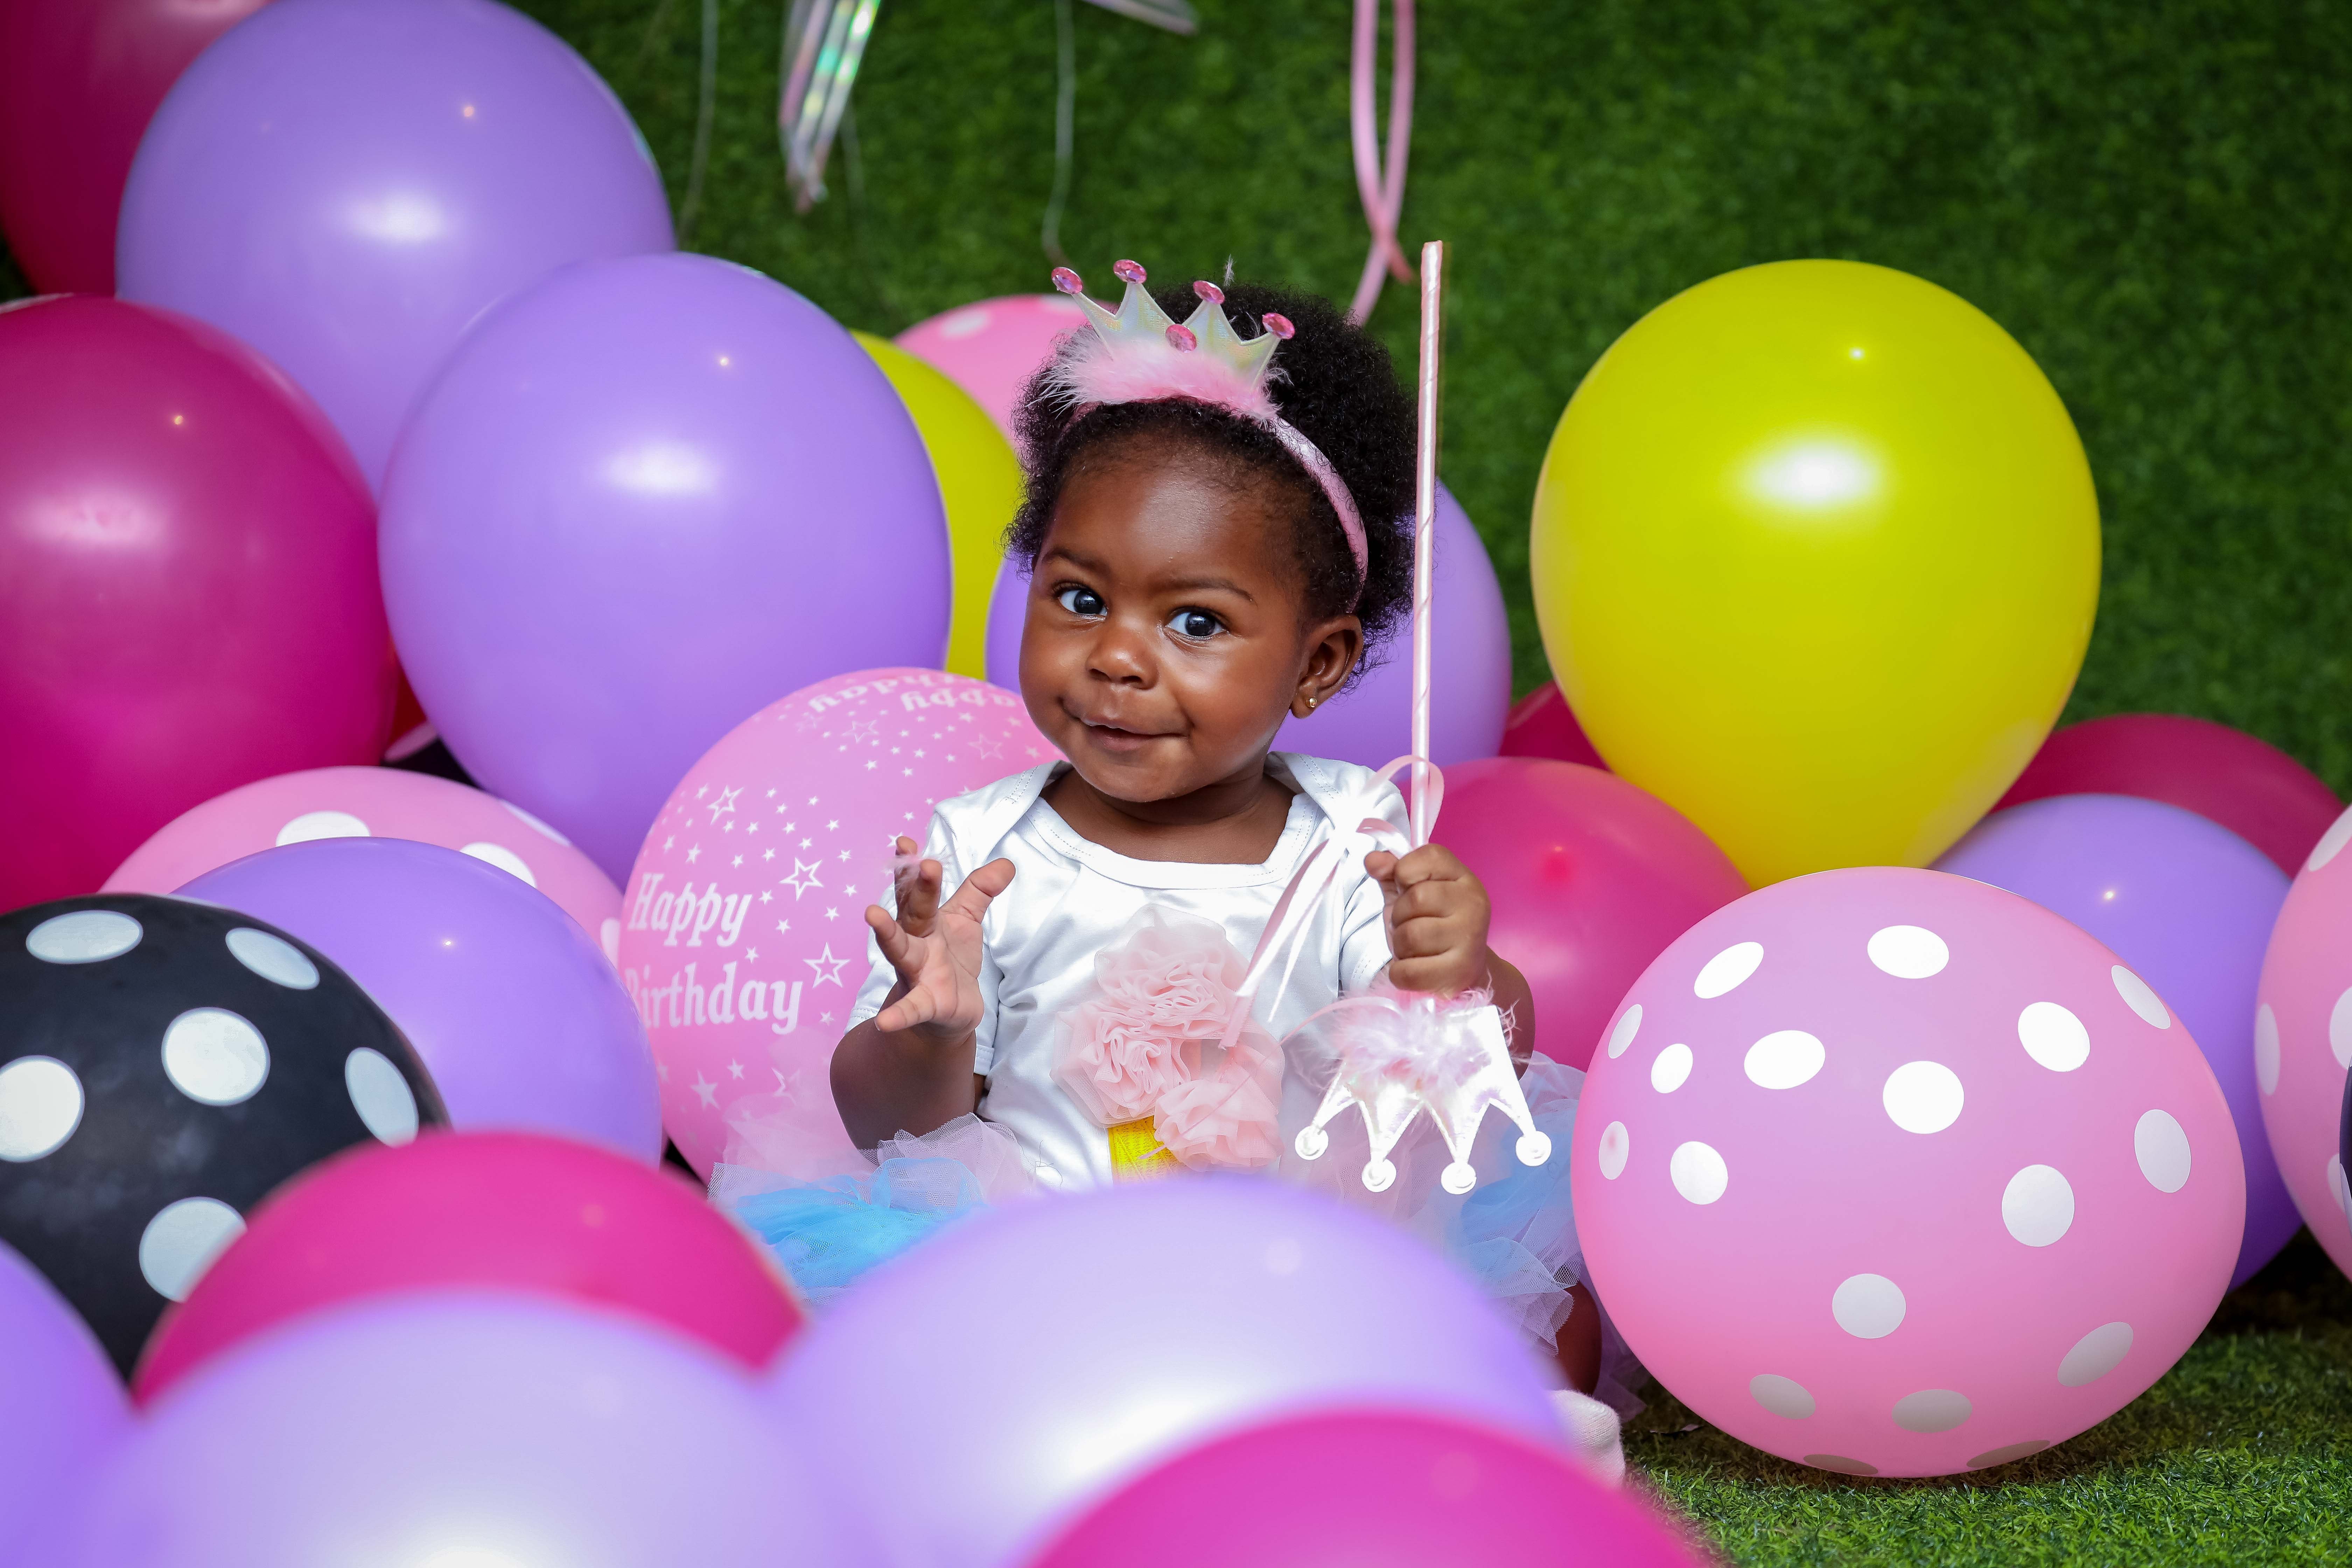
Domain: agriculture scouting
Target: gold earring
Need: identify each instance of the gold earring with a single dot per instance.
(1313, 700)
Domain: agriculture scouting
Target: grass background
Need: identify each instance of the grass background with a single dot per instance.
(2150, 194)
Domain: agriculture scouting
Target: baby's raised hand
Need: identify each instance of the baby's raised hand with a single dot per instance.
(1437, 914)
(936, 950)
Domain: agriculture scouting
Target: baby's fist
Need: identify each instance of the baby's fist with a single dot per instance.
(1437, 915)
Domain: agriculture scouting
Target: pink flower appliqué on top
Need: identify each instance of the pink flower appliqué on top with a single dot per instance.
(1137, 1046)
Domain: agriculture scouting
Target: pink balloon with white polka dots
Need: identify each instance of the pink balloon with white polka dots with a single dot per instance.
(374, 803)
(2303, 1038)
(743, 934)
(1892, 1173)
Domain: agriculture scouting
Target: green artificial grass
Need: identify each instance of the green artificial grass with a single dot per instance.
(2149, 194)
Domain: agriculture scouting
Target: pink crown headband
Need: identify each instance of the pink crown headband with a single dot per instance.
(1139, 355)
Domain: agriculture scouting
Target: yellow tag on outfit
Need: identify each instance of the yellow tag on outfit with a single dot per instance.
(1136, 1155)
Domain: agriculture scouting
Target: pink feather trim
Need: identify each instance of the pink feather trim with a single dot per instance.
(1146, 371)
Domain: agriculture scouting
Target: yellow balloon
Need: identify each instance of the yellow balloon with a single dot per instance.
(1816, 554)
(980, 481)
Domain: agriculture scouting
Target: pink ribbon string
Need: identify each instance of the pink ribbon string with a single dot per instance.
(1380, 188)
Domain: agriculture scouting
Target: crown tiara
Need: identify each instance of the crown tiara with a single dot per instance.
(1140, 355)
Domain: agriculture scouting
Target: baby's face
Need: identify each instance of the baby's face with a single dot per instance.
(1165, 636)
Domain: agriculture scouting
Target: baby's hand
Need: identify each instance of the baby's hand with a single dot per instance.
(936, 950)
(1437, 915)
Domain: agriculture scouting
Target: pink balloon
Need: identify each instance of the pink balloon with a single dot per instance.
(2303, 1040)
(1591, 879)
(1542, 724)
(78, 81)
(509, 1211)
(188, 595)
(1371, 1488)
(2224, 775)
(1963, 1181)
(380, 803)
(993, 348)
(764, 860)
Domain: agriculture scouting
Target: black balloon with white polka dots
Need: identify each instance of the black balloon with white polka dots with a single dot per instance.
(163, 1065)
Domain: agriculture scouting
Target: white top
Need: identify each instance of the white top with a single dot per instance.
(1070, 898)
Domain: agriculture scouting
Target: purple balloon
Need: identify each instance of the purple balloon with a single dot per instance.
(520, 1018)
(1372, 722)
(641, 503)
(345, 184)
(2188, 905)
(456, 1429)
(1043, 1354)
(63, 1408)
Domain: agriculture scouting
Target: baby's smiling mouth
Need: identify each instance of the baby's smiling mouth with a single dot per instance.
(1117, 737)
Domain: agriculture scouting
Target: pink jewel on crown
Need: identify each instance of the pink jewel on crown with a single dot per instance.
(1140, 355)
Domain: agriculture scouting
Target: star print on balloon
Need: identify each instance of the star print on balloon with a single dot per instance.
(744, 964)
(163, 1065)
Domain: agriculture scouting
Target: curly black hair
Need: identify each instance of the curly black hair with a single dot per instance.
(1332, 381)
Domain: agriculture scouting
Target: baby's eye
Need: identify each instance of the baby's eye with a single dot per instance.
(1081, 601)
(1198, 624)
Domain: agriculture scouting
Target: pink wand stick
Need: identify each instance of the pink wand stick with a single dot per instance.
(1425, 524)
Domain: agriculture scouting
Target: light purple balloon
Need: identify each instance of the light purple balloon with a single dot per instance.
(345, 184)
(972, 1395)
(639, 503)
(2188, 905)
(457, 1429)
(519, 1017)
(1372, 723)
(62, 1408)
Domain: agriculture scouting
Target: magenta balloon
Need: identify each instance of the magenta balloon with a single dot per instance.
(1370, 1488)
(1043, 1354)
(1372, 722)
(456, 1429)
(346, 184)
(641, 503)
(2188, 905)
(65, 1408)
(520, 1018)
(188, 595)
(78, 81)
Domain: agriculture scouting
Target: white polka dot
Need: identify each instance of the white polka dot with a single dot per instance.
(2038, 1205)
(1868, 1306)
(504, 858)
(1932, 1410)
(1672, 1066)
(2140, 997)
(1622, 1034)
(1783, 1059)
(2340, 1030)
(1909, 952)
(2095, 1354)
(1923, 1097)
(2336, 1187)
(1616, 1144)
(214, 1057)
(2331, 843)
(1698, 1172)
(964, 323)
(85, 936)
(1838, 1464)
(180, 1242)
(2266, 1049)
(610, 937)
(536, 822)
(2162, 1150)
(2054, 1036)
(1726, 968)
(1782, 1396)
(273, 958)
(40, 1105)
(381, 1096)
(313, 824)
